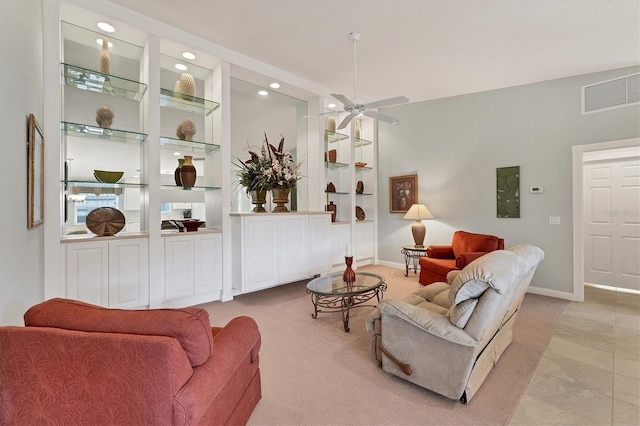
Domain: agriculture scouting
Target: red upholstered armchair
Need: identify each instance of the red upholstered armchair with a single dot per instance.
(465, 248)
(75, 363)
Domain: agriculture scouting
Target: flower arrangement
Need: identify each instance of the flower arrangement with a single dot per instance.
(273, 168)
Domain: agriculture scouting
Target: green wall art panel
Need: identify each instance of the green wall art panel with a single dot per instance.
(508, 191)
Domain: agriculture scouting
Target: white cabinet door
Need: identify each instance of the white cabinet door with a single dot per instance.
(128, 273)
(260, 254)
(319, 244)
(87, 270)
(207, 267)
(293, 248)
(178, 266)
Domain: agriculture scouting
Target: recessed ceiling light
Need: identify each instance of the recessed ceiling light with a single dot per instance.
(181, 67)
(188, 55)
(176, 153)
(99, 41)
(331, 105)
(263, 93)
(274, 85)
(106, 27)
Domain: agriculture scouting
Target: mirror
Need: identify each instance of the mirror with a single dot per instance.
(35, 144)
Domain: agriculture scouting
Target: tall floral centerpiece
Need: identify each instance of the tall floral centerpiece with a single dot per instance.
(251, 175)
(273, 169)
(283, 174)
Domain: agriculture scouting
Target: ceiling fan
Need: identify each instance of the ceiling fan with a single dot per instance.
(357, 107)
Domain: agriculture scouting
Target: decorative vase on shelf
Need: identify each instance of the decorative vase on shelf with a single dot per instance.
(186, 129)
(186, 85)
(176, 173)
(105, 59)
(331, 207)
(280, 198)
(331, 124)
(258, 198)
(333, 155)
(188, 173)
(104, 117)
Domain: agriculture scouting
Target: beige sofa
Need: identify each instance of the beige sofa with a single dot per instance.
(447, 337)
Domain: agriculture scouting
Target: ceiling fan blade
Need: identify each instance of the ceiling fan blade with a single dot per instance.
(346, 101)
(381, 116)
(386, 102)
(346, 121)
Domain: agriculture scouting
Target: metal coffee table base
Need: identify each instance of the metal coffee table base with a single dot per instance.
(343, 304)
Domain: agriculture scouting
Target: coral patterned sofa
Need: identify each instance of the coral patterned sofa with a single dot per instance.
(75, 363)
(465, 247)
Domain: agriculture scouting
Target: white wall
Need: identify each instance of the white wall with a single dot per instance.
(455, 145)
(21, 249)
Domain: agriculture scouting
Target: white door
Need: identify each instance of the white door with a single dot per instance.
(612, 223)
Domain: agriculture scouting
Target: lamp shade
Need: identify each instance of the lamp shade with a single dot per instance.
(418, 212)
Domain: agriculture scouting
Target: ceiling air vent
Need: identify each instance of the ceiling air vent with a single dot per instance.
(611, 94)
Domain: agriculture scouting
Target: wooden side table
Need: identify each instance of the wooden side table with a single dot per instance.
(412, 255)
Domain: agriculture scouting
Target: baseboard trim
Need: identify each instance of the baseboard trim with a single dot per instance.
(391, 264)
(552, 293)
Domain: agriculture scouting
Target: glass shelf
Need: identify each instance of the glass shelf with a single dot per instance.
(93, 187)
(334, 165)
(87, 131)
(362, 168)
(364, 194)
(331, 137)
(95, 81)
(193, 188)
(171, 99)
(193, 146)
(95, 184)
(337, 192)
(361, 142)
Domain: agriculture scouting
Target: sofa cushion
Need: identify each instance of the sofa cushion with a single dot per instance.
(467, 242)
(189, 326)
(459, 314)
(438, 266)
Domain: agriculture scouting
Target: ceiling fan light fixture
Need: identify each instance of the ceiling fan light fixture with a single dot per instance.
(358, 107)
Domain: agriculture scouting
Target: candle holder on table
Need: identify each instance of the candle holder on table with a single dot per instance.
(349, 276)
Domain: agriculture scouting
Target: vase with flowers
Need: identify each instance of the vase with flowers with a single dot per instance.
(273, 169)
(252, 177)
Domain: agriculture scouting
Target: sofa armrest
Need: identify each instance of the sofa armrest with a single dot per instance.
(235, 347)
(440, 252)
(464, 259)
(428, 321)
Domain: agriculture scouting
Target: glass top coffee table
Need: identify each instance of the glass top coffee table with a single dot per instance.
(330, 293)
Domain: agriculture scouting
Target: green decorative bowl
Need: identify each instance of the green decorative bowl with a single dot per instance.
(107, 176)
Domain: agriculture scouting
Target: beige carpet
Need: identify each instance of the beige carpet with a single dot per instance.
(313, 373)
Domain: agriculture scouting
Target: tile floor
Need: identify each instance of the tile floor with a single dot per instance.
(590, 372)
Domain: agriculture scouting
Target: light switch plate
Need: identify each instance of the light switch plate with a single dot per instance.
(554, 220)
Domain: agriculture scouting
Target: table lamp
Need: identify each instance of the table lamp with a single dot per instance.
(418, 212)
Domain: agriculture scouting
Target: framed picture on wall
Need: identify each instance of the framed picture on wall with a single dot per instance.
(35, 173)
(403, 193)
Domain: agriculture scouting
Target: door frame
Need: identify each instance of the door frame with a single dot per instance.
(578, 206)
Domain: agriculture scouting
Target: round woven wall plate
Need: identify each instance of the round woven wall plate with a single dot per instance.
(105, 221)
